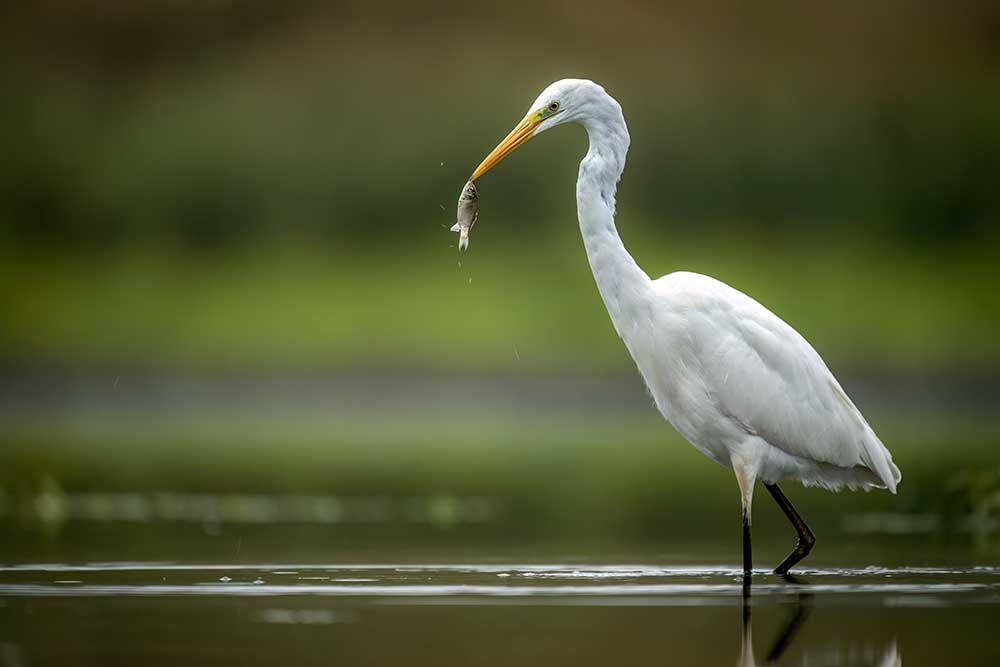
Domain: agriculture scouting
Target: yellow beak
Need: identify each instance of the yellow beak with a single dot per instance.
(517, 136)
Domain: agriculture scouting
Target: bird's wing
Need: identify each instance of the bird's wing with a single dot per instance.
(766, 376)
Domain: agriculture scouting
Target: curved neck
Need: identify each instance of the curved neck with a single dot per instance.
(623, 285)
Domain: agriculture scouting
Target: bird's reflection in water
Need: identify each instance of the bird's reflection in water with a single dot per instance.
(889, 657)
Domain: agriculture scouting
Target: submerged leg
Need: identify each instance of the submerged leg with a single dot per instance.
(806, 537)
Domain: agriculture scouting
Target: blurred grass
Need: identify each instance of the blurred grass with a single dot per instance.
(233, 184)
(218, 124)
(519, 308)
(590, 476)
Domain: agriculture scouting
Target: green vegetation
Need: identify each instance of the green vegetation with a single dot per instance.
(510, 308)
(592, 476)
(251, 188)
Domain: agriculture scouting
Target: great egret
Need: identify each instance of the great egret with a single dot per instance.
(735, 380)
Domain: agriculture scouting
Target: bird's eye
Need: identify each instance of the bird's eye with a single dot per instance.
(554, 106)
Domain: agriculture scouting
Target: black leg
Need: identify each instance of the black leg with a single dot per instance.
(806, 537)
(747, 551)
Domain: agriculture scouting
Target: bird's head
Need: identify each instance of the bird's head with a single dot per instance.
(565, 101)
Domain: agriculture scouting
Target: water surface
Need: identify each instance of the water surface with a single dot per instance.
(494, 613)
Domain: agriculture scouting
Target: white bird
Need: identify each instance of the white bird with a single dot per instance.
(734, 379)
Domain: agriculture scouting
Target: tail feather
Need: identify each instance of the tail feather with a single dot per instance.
(879, 460)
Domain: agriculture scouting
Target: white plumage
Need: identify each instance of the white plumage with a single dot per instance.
(747, 390)
(734, 379)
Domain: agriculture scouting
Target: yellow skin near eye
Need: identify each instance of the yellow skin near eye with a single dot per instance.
(547, 111)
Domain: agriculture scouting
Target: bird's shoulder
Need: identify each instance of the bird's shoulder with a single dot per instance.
(697, 296)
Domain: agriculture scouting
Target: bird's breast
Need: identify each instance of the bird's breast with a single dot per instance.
(666, 357)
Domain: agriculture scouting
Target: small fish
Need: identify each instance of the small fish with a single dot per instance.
(468, 213)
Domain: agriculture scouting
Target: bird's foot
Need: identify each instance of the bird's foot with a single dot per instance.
(802, 549)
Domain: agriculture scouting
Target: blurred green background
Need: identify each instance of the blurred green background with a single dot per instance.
(234, 325)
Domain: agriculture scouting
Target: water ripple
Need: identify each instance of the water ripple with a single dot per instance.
(482, 583)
